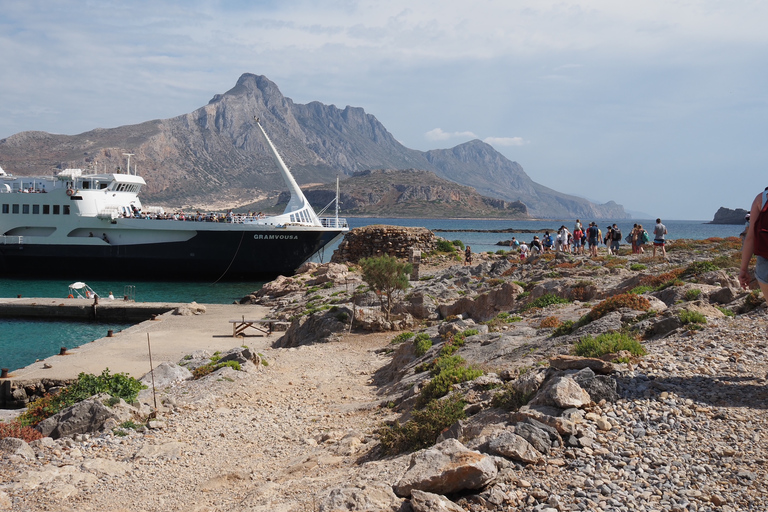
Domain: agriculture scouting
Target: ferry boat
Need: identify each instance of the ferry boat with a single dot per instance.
(79, 224)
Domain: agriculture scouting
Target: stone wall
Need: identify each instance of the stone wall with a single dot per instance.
(377, 240)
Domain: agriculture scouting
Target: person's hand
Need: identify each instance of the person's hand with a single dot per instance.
(744, 278)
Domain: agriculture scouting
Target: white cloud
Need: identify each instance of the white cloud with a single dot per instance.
(439, 134)
(505, 141)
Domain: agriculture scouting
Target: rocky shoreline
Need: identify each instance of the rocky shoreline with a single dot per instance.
(679, 428)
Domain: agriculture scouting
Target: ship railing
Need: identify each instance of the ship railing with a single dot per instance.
(333, 222)
(11, 240)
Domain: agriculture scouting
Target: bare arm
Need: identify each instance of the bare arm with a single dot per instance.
(749, 242)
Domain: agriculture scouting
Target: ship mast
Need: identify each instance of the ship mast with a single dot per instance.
(297, 201)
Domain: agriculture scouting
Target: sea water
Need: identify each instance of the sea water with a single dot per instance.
(24, 341)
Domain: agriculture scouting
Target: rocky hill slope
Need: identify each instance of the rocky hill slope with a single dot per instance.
(678, 428)
(405, 193)
(215, 155)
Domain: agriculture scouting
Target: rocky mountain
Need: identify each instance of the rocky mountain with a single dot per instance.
(216, 154)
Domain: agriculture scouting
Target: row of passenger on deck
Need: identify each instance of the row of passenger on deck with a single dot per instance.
(195, 217)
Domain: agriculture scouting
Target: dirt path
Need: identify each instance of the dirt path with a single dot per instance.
(267, 439)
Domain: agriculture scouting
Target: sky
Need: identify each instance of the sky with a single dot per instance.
(659, 105)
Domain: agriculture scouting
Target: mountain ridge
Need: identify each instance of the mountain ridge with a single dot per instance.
(216, 151)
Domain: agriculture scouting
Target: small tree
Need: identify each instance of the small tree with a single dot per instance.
(386, 274)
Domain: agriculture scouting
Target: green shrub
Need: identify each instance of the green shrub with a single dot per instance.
(119, 385)
(564, 328)
(510, 398)
(445, 246)
(544, 301)
(453, 373)
(206, 369)
(424, 427)
(421, 344)
(726, 311)
(608, 343)
(506, 317)
(459, 244)
(692, 294)
(639, 290)
(699, 267)
(402, 337)
(691, 317)
(637, 267)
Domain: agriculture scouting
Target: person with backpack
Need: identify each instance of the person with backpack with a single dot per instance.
(615, 239)
(547, 243)
(756, 243)
(659, 232)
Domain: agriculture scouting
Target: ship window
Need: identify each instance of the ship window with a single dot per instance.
(36, 209)
(46, 209)
(25, 209)
(103, 186)
(15, 208)
(86, 185)
(56, 209)
(66, 209)
(6, 208)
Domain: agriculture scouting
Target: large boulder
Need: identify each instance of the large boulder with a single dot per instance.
(366, 497)
(164, 374)
(13, 446)
(486, 305)
(446, 468)
(316, 328)
(87, 416)
(429, 502)
(515, 447)
(563, 392)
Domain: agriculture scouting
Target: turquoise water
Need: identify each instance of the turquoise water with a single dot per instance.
(22, 342)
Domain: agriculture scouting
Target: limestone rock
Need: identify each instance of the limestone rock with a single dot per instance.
(428, 502)
(315, 328)
(366, 497)
(446, 468)
(562, 391)
(13, 446)
(513, 446)
(83, 417)
(166, 373)
(191, 309)
(600, 387)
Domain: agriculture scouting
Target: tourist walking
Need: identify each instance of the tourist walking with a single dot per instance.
(754, 246)
(593, 238)
(659, 238)
(615, 239)
(468, 256)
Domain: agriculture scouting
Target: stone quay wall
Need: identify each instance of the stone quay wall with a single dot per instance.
(378, 240)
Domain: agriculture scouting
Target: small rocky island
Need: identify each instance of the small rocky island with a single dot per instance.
(729, 216)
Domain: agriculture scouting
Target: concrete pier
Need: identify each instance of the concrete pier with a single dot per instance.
(171, 338)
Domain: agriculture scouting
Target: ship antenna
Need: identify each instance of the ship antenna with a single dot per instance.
(129, 155)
